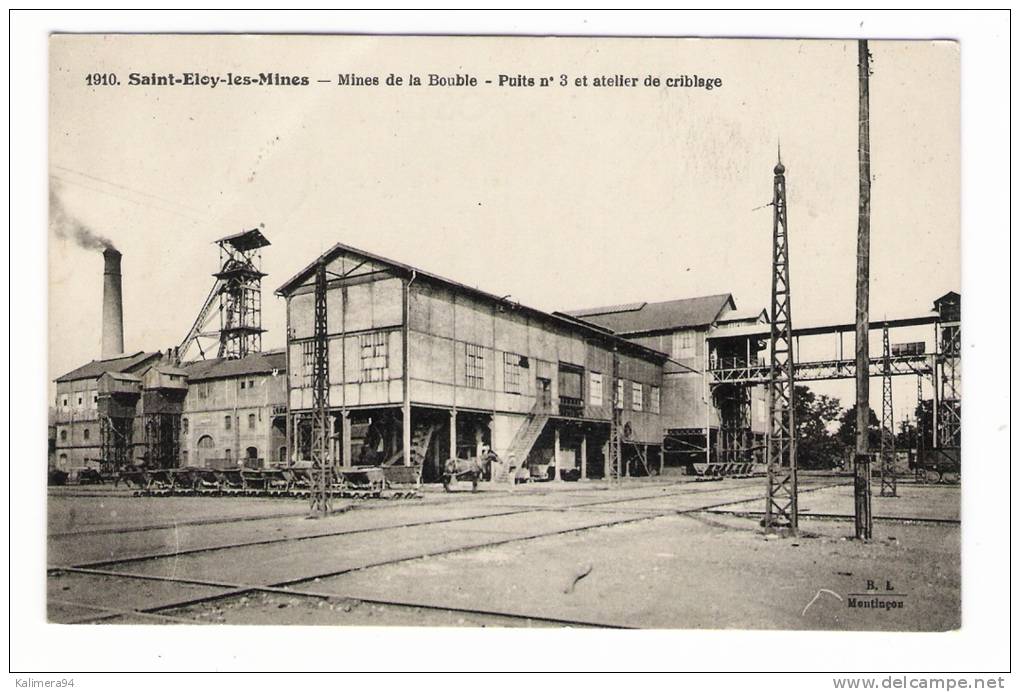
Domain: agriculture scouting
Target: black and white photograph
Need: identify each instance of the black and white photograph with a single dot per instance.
(427, 333)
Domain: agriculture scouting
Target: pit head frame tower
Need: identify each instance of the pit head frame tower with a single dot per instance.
(236, 296)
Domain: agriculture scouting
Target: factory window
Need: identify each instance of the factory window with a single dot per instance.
(638, 396)
(63, 435)
(251, 384)
(95, 400)
(283, 453)
(63, 401)
(251, 421)
(308, 362)
(184, 425)
(683, 344)
(85, 433)
(79, 400)
(184, 458)
(226, 422)
(653, 400)
(513, 366)
(228, 454)
(374, 357)
(474, 371)
(619, 394)
(242, 384)
(596, 389)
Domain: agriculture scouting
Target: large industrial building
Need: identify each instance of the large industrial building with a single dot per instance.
(421, 369)
(700, 421)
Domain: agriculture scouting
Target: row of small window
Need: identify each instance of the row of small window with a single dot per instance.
(203, 388)
(375, 363)
(64, 400)
(514, 365)
(85, 434)
(642, 397)
(375, 368)
(228, 423)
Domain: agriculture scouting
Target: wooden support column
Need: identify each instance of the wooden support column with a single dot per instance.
(453, 434)
(584, 457)
(556, 454)
(345, 438)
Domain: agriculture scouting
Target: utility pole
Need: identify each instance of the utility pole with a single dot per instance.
(862, 462)
(322, 493)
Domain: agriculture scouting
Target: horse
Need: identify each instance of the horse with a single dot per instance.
(472, 469)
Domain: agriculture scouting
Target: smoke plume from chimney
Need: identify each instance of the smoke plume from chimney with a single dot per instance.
(113, 310)
(66, 226)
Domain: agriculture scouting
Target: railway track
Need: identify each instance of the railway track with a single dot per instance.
(301, 586)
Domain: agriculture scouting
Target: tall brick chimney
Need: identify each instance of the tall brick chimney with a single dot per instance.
(113, 310)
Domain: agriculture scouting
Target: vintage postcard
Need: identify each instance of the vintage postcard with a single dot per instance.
(425, 331)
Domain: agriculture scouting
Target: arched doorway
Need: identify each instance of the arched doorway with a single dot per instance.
(204, 450)
(252, 454)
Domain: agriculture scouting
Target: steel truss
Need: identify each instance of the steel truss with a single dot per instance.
(919, 471)
(162, 440)
(236, 296)
(887, 451)
(949, 409)
(615, 460)
(781, 502)
(115, 442)
(736, 439)
(731, 370)
(322, 493)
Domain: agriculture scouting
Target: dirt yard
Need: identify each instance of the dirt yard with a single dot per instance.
(646, 554)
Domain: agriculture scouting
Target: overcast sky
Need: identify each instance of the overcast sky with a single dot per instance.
(561, 197)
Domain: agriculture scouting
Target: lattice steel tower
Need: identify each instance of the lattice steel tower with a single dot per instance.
(236, 296)
(887, 450)
(615, 465)
(241, 294)
(949, 410)
(781, 502)
(322, 493)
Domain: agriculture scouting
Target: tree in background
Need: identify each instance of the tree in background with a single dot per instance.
(906, 435)
(817, 415)
(847, 432)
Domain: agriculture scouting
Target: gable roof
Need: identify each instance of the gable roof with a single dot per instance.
(125, 363)
(666, 315)
(591, 328)
(761, 316)
(254, 364)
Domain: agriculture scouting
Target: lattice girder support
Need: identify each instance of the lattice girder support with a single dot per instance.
(887, 449)
(781, 459)
(322, 491)
(949, 409)
(615, 450)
